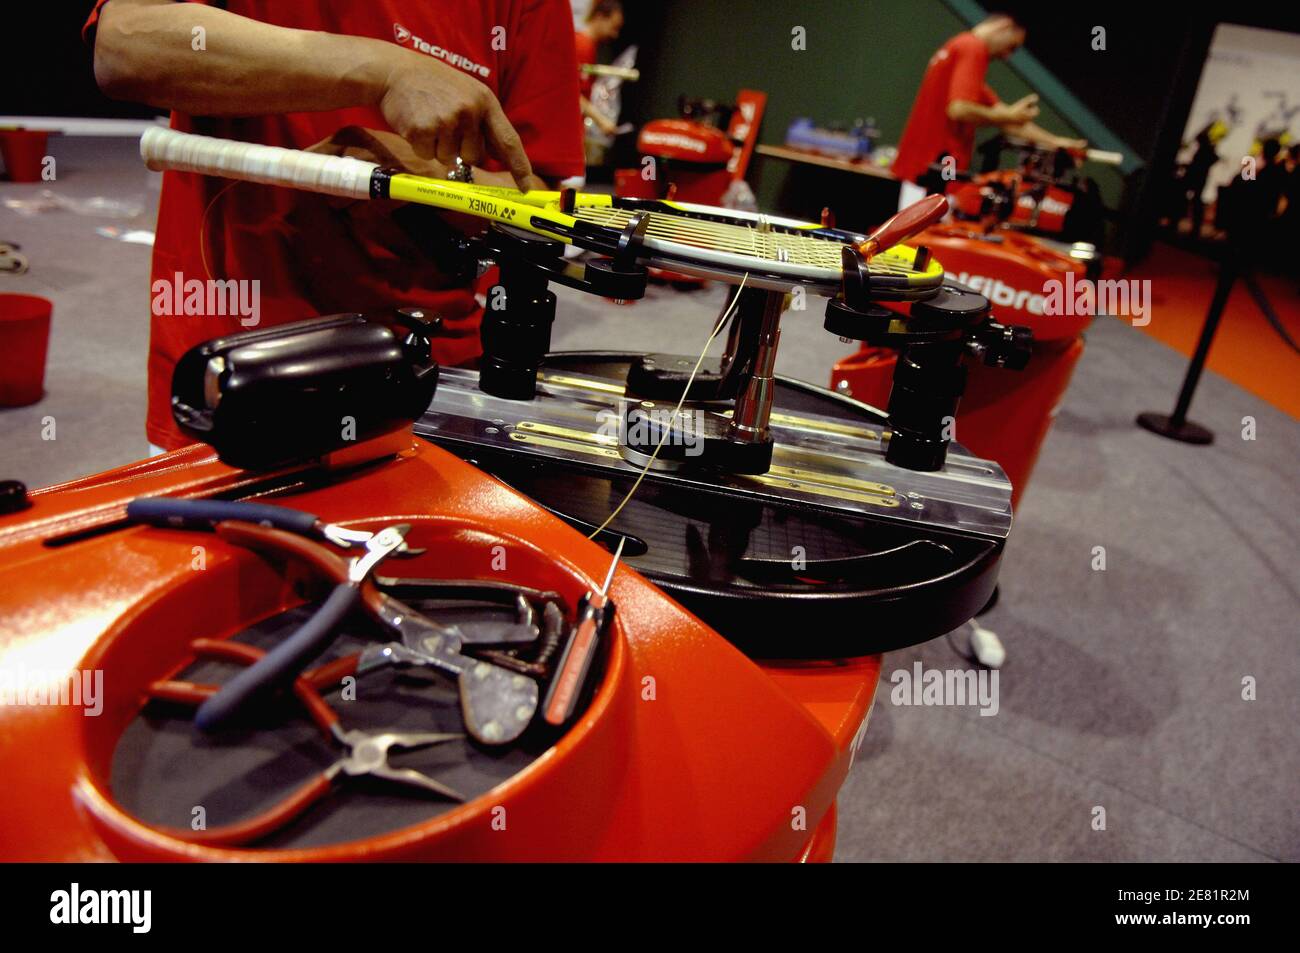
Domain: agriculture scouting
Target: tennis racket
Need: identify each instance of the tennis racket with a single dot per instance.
(776, 253)
(1100, 156)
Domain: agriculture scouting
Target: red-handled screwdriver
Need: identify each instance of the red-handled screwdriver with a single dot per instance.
(594, 613)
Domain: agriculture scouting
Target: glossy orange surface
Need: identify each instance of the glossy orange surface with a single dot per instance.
(690, 750)
(1013, 271)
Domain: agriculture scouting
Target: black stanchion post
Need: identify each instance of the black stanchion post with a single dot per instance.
(1176, 426)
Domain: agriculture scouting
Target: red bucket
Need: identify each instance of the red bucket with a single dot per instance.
(24, 152)
(24, 339)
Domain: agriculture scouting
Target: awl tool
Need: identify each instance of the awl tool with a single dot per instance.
(594, 614)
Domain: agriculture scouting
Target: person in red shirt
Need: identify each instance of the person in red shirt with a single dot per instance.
(603, 25)
(415, 83)
(954, 99)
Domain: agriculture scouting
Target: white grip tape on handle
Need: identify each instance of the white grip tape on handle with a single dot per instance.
(185, 152)
(1104, 157)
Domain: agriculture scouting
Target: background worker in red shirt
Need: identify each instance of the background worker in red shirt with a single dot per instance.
(603, 25)
(954, 99)
(415, 83)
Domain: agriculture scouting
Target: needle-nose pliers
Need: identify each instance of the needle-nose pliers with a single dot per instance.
(366, 752)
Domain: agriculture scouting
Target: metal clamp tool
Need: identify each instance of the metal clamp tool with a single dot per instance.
(497, 703)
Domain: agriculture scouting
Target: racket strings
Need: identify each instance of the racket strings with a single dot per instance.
(741, 239)
(719, 236)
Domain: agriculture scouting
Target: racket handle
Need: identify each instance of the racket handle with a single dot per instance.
(167, 149)
(914, 218)
(1103, 156)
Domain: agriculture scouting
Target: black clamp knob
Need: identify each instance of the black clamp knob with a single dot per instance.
(631, 242)
(13, 496)
(1003, 345)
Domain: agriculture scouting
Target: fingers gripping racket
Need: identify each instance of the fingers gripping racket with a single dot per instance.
(776, 253)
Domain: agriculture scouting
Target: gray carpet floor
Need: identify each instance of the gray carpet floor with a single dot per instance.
(1123, 688)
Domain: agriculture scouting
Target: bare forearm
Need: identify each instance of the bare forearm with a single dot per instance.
(152, 53)
(1035, 134)
(976, 114)
(207, 62)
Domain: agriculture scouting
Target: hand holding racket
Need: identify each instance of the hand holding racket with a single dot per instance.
(445, 114)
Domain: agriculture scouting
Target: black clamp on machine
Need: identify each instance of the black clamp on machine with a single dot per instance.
(932, 338)
(281, 395)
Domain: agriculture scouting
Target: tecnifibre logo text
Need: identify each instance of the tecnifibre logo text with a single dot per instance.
(401, 34)
(1000, 294)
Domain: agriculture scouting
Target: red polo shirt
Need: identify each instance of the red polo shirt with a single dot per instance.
(956, 72)
(314, 255)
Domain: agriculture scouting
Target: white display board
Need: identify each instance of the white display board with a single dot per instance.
(1251, 82)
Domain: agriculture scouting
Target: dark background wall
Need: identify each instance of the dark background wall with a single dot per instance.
(49, 66)
(863, 59)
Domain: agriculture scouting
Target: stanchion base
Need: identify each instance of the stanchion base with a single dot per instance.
(1185, 432)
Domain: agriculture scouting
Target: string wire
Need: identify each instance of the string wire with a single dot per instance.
(203, 228)
(667, 429)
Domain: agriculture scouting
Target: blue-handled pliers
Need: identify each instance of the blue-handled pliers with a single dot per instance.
(281, 665)
(171, 513)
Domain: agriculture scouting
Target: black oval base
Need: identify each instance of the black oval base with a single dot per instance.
(1185, 432)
